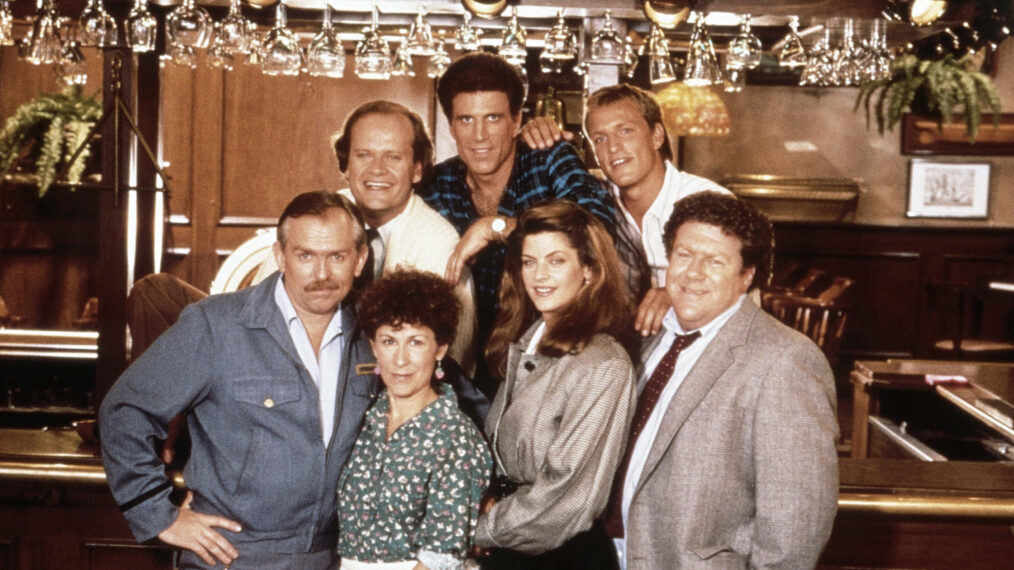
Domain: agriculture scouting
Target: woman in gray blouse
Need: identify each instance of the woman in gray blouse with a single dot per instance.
(560, 418)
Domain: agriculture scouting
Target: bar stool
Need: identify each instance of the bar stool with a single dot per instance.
(820, 314)
(965, 304)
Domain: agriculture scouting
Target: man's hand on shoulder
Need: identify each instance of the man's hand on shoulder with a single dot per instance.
(476, 237)
(542, 133)
(193, 531)
(653, 307)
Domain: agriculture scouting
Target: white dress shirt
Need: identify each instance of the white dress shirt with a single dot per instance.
(379, 245)
(676, 186)
(686, 361)
(323, 369)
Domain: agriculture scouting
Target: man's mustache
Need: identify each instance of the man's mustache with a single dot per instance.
(322, 285)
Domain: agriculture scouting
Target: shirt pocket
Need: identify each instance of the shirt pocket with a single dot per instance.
(265, 392)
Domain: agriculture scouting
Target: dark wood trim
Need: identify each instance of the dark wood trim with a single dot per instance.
(924, 136)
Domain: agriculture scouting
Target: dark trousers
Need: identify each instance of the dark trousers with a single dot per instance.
(591, 550)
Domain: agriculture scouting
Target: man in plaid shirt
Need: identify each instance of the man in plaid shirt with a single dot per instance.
(495, 178)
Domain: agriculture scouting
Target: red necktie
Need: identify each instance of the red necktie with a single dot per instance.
(645, 404)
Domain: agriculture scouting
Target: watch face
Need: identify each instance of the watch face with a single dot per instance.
(499, 225)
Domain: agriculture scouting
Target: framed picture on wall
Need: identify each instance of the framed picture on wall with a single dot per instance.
(939, 189)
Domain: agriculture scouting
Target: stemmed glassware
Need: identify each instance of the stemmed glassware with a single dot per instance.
(513, 44)
(744, 52)
(140, 28)
(630, 59)
(189, 25)
(607, 45)
(71, 68)
(847, 57)
(326, 57)
(439, 61)
(97, 27)
(235, 31)
(420, 36)
(792, 53)
(848, 52)
(560, 47)
(820, 62)
(373, 54)
(661, 68)
(702, 63)
(219, 55)
(401, 65)
(6, 24)
(466, 38)
(43, 45)
(280, 53)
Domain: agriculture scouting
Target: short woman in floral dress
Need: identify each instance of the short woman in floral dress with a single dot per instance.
(409, 496)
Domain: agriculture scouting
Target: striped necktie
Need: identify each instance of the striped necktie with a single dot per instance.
(646, 402)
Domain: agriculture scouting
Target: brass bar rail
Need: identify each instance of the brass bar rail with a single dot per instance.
(927, 505)
(62, 473)
(914, 504)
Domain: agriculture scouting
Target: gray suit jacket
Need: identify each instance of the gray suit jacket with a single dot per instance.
(743, 471)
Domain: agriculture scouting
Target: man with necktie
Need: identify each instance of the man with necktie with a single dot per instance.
(731, 461)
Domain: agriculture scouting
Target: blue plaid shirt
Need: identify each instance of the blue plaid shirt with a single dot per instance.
(538, 175)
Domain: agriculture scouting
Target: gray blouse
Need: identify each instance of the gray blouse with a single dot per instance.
(559, 428)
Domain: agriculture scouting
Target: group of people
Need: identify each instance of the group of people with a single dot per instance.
(499, 360)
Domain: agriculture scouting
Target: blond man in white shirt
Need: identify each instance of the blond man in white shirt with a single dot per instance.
(624, 125)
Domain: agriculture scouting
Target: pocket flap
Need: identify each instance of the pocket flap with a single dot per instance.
(267, 392)
(706, 552)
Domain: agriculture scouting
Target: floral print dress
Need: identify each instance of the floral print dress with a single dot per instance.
(416, 495)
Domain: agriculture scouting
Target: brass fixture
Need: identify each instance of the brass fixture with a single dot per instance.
(667, 13)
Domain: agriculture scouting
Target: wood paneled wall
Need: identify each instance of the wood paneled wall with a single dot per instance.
(895, 314)
(240, 145)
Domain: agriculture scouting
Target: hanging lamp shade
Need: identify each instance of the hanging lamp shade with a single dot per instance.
(692, 110)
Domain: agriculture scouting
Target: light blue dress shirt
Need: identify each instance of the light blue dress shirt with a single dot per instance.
(324, 368)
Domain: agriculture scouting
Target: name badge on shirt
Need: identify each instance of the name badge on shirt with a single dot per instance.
(366, 368)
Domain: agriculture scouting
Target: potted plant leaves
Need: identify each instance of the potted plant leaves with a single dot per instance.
(937, 89)
(47, 130)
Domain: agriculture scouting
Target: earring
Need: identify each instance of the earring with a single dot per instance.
(376, 370)
(439, 372)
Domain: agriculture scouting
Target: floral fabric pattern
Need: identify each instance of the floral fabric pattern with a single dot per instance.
(418, 491)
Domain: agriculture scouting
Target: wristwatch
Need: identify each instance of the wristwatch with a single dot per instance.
(498, 226)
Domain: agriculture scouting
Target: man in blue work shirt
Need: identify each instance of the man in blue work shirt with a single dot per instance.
(274, 381)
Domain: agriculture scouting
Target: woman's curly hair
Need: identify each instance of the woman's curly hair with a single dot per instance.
(410, 297)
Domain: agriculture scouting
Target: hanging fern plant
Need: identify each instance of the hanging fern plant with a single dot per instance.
(934, 88)
(58, 123)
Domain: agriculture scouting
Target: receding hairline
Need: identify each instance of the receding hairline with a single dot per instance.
(406, 122)
(323, 216)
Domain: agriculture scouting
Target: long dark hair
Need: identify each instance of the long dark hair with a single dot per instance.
(601, 305)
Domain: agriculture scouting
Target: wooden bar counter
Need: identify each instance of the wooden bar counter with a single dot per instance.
(56, 513)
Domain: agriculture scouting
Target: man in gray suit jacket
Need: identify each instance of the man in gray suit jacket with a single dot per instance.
(274, 381)
(735, 465)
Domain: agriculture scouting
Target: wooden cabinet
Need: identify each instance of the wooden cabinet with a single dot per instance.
(67, 526)
(894, 314)
(56, 512)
